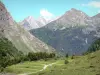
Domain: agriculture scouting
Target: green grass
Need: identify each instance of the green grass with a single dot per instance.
(80, 65)
(27, 67)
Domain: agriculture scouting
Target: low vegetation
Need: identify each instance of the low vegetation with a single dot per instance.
(80, 65)
(40, 55)
(66, 61)
(28, 67)
(34, 63)
(9, 55)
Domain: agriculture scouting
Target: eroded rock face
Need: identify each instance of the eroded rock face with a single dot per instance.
(5, 18)
(20, 37)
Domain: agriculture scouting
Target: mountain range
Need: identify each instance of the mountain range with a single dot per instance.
(71, 33)
(31, 23)
(19, 37)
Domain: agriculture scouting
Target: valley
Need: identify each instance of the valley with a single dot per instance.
(79, 65)
(48, 44)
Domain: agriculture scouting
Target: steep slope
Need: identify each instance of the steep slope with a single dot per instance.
(71, 18)
(70, 40)
(73, 32)
(94, 47)
(31, 23)
(21, 38)
(42, 21)
(8, 53)
(7, 48)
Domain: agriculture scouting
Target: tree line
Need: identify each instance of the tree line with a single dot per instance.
(40, 55)
(9, 55)
(94, 46)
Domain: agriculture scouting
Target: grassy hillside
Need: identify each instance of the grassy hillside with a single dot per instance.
(28, 67)
(79, 65)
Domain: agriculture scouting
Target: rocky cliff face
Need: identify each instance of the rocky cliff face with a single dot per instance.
(20, 37)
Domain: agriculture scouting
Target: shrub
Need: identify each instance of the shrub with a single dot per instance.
(72, 57)
(1, 69)
(66, 61)
(66, 55)
(40, 55)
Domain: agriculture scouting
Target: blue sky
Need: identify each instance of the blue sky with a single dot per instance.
(21, 9)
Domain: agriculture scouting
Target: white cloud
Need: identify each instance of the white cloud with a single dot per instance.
(95, 4)
(46, 14)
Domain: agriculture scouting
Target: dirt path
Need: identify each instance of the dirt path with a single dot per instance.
(45, 66)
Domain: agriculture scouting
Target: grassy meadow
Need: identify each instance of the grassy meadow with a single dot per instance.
(79, 65)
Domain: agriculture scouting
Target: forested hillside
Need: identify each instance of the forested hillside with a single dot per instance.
(94, 47)
(8, 53)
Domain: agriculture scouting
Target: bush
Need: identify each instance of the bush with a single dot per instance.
(1, 69)
(40, 55)
(66, 62)
(72, 57)
(66, 55)
(46, 59)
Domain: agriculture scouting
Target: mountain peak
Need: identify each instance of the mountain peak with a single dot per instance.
(75, 13)
(71, 18)
(31, 23)
(30, 18)
(73, 9)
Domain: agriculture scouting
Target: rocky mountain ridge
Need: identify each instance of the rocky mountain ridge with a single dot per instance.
(31, 23)
(73, 32)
